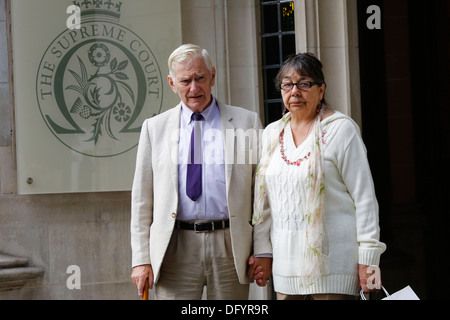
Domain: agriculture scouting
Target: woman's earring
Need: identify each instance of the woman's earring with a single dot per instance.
(319, 108)
(284, 111)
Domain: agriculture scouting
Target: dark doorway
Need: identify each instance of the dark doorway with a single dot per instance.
(405, 110)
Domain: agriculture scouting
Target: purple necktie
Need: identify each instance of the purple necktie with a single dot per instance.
(194, 167)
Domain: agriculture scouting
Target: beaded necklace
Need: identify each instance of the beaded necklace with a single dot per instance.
(283, 155)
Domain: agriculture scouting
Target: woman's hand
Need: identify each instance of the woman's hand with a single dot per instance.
(369, 278)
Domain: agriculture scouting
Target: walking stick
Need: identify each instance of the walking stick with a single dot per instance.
(145, 295)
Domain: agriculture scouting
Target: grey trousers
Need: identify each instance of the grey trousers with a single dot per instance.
(195, 260)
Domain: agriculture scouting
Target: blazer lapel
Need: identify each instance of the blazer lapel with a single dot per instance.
(228, 142)
(173, 128)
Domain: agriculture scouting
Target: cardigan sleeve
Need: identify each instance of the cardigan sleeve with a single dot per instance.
(354, 168)
(261, 232)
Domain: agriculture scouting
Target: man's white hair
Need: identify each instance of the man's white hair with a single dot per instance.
(188, 52)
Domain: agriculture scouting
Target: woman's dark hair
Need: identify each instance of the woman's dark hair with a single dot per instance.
(305, 64)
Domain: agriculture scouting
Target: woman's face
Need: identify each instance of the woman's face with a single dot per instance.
(303, 101)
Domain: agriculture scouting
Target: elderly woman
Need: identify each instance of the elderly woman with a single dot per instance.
(314, 194)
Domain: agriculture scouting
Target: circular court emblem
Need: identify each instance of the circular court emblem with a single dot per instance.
(96, 85)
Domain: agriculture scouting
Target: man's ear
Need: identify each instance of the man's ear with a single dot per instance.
(172, 84)
(213, 77)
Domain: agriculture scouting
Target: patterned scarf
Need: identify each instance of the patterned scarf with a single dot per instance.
(314, 265)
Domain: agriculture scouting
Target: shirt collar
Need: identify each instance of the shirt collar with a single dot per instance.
(208, 113)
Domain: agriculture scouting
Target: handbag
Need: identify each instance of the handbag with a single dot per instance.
(406, 293)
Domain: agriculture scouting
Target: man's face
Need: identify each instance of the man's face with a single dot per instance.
(192, 81)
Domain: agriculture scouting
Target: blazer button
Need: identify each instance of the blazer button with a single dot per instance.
(174, 215)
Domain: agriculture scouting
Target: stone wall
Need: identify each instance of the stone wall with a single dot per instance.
(56, 231)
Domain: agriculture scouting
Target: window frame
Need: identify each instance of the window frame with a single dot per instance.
(282, 55)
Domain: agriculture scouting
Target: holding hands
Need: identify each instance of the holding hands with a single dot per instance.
(260, 270)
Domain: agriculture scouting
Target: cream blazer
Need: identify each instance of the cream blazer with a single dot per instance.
(155, 186)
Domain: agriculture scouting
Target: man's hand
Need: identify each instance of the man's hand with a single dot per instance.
(140, 275)
(260, 269)
(252, 270)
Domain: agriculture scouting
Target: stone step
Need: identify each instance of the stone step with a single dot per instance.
(14, 272)
(7, 261)
(15, 278)
(26, 273)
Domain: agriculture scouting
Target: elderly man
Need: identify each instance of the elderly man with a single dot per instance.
(192, 190)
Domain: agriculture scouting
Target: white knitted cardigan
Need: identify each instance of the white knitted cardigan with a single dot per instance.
(350, 218)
